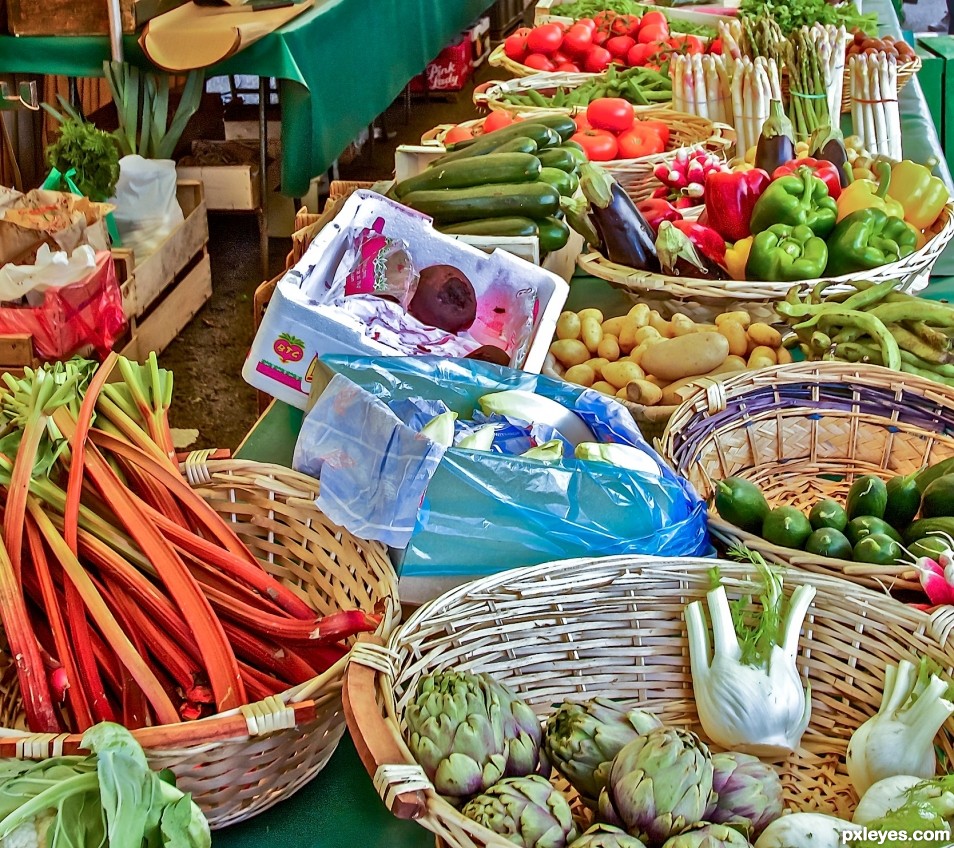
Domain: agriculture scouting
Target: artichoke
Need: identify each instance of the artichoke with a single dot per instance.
(658, 785)
(709, 836)
(468, 731)
(607, 836)
(747, 793)
(527, 811)
(582, 739)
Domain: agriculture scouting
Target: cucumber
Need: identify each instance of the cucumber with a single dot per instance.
(449, 206)
(938, 498)
(829, 542)
(541, 135)
(576, 151)
(904, 501)
(868, 495)
(828, 513)
(878, 549)
(928, 475)
(868, 525)
(494, 168)
(787, 527)
(493, 227)
(563, 125)
(554, 234)
(557, 157)
(928, 526)
(741, 503)
(929, 546)
(563, 182)
(515, 145)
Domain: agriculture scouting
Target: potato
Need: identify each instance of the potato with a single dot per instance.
(784, 356)
(663, 326)
(766, 353)
(644, 392)
(685, 356)
(591, 332)
(682, 325)
(621, 394)
(734, 333)
(582, 375)
(605, 388)
(640, 314)
(627, 336)
(614, 326)
(636, 354)
(732, 363)
(649, 378)
(570, 352)
(568, 326)
(762, 334)
(596, 364)
(608, 347)
(739, 316)
(620, 373)
(645, 333)
(590, 313)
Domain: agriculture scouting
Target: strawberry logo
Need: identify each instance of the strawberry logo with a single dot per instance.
(288, 348)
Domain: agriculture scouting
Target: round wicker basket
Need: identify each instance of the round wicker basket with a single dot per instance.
(805, 431)
(499, 59)
(701, 300)
(239, 763)
(614, 627)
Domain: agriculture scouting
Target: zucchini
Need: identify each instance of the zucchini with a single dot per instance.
(494, 168)
(543, 137)
(924, 527)
(450, 206)
(515, 226)
(558, 157)
(554, 234)
(564, 126)
(515, 145)
(563, 182)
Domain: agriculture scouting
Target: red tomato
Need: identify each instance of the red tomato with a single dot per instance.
(598, 145)
(589, 23)
(497, 121)
(639, 54)
(567, 68)
(640, 141)
(581, 122)
(649, 34)
(538, 62)
(624, 25)
(715, 46)
(597, 60)
(661, 128)
(578, 39)
(604, 20)
(600, 37)
(654, 19)
(559, 58)
(611, 113)
(620, 45)
(694, 44)
(515, 47)
(545, 39)
(458, 134)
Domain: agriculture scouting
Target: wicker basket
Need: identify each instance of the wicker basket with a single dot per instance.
(499, 59)
(703, 299)
(788, 430)
(239, 763)
(614, 627)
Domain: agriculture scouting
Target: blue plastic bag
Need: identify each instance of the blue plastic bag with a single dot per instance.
(485, 512)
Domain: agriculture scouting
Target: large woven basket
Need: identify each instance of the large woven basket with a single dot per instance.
(805, 431)
(239, 763)
(499, 59)
(701, 300)
(614, 627)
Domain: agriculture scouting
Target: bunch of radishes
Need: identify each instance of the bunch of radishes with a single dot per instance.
(684, 178)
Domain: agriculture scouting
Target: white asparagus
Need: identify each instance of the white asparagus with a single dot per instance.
(702, 106)
(893, 110)
(877, 110)
(737, 108)
(674, 73)
(724, 89)
(855, 92)
(871, 129)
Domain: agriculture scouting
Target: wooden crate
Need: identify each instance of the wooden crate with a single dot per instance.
(88, 17)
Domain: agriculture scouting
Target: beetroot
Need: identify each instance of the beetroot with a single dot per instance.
(444, 298)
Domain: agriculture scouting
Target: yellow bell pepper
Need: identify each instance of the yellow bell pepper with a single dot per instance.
(865, 194)
(920, 193)
(737, 257)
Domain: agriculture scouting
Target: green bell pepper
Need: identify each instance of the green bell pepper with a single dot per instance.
(799, 199)
(786, 254)
(866, 239)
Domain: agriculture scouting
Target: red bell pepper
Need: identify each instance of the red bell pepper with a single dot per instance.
(730, 197)
(705, 239)
(824, 170)
(655, 210)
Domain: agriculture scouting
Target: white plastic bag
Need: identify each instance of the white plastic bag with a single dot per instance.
(146, 206)
(51, 270)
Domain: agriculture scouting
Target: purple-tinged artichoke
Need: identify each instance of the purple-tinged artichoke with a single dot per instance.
(527, 811)
(607, 836)
(658, 785)
(705, 835)
(746, 793)
(582, 739)
(467, 732)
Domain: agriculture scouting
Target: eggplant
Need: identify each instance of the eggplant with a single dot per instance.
(678, 256)
(828, 144)
(625, 236)
(776, 144)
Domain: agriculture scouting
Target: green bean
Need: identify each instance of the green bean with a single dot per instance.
(935, 338)
(559, 98)
(911, 342)
(869, 324)
(859, 300)
(929, 375)
(945, 370)
(858, 352)
(536, 98)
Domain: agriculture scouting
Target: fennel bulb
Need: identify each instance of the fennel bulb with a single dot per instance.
(884, 796)
(623, 456)
(481, 439)
(804, 830)
(747, 687)
(440, 429)
(899, 738)
(533, 408)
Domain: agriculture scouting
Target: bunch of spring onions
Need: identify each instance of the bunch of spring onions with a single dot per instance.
(875, 117)
(123, 595)
(832, 42)
(700, 86)
(808, 107)
(755, 84)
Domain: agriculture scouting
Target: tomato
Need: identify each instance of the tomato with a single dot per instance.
(515, 47)
(624, 25)
(545, 39)
(661, 128)
(640, 141)
(620, 45)
(611, 113)
(567, 68)
(458, 134)
(694, 44)
(538, 62)
(600, 37)
(647, 35)
(639, 54)
(715, 46)
(598, 145)
(597, 60)
(604, 20)
(559, 58)
(654, 19)
(581, 122)
(578, 39)
(497, 121)
(589, 23)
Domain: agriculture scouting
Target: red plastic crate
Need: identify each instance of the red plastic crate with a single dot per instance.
(450, 71)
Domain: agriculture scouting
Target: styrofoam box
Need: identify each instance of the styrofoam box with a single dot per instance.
(295, 330)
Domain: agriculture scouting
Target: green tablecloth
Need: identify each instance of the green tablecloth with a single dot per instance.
(341, 64)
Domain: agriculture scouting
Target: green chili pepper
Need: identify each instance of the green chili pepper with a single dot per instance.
(868, 239)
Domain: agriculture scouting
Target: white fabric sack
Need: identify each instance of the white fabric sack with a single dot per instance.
(52, 270)
(146, 206)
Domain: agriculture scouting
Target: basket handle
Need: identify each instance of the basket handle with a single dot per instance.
(373, 738)
(722, 138)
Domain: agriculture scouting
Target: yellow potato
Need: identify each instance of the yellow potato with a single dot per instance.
(784, 356)
(570, 352)
(682, 325)
(766, 353)
(621, 394)
(764, 335)
(640, 314)
(596, 364)
(661, 325)
(627, 336)
(608, 347)
(645, 333)
(686, 356)
(605, 388)
(620, 373)
(649, 378)
(591, 333)
(568, 326)
(636, 354)
(590, 313)
(644, 392)
(614, 326)
(582, 375)
(739, 316)
(734, 333)
(731, 364)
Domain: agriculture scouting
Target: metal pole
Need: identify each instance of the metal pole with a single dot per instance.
(263, 96)
(115, 30)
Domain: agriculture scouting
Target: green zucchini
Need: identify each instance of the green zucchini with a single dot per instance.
(554, 234)
(563, 182)
(925, 527)
(558, 157)
(449, 206)
(564, 126)
(515, 226)
(515, 145)
(494, 168)
(543, 137)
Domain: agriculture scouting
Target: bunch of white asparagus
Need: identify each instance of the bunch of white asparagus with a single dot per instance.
(730, 33)
(832, 43)
(700, 86)
(755, 84)
(875, 117)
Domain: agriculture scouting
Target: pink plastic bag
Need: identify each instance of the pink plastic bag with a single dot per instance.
(85, 313)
